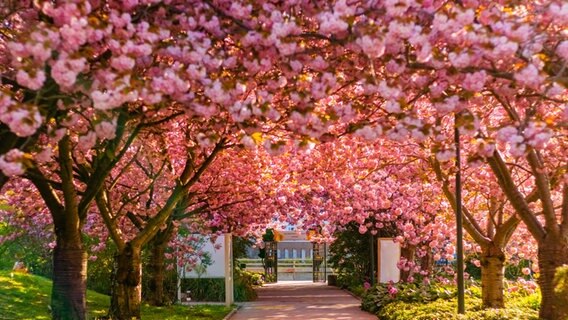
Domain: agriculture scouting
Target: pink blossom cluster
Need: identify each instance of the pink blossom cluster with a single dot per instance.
(12, 163)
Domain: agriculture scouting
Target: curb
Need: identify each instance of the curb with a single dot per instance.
(232, 313)
(352, 294)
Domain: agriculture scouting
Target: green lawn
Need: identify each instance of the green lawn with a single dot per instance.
(25, 296)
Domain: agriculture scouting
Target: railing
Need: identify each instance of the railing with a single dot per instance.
(288, 269)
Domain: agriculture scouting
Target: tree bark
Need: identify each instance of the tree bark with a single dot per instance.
(68, 298)
(552, 253)
(156, 268)
(427, 262)
(126, 291)
(492, 264)
(408, 253)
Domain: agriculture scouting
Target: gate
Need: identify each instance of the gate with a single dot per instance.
(319, 262)
(270, 261)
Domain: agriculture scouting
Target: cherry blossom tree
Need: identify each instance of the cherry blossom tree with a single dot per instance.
(398, 68)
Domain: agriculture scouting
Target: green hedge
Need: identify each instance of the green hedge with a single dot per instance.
(428, 302)
(561, 287)
(446, 309)
(213, 289)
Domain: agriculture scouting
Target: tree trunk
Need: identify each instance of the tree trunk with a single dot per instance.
(552, 253)
(492, 264)
(156, 268)
(408, 253)
(68, 295)
(126, 291)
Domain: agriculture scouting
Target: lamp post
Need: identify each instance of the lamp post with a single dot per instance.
(459, 220)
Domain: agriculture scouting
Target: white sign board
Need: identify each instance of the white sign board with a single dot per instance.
(217, 267)
(293, 236)
(388, 257)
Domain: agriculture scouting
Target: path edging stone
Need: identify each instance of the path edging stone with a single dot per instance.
(232, 313)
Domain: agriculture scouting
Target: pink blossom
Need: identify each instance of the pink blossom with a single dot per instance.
(537, 135)
(74, 34)
(102, 100)
(368, 132)
(23, 120)
(204, 140)
(529, 76)
(45, 155)
(122, 63)
(445, 155)
(392, 290)
(331, 23)
(559, 13)
(474, 81)
(239, 11)
(562, 50)
(11, 163)
(65, 71)
(106, 129)
(459, 60)
(274, 149)
(526, 271)
(372, 47)
(397, 8)
(87, 141)
(449, 105)
(33, 82)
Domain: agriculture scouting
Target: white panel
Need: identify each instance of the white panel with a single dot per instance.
(388, 255)
(217, 267)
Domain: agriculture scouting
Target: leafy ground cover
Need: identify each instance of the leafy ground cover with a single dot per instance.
(25, 296)
(412, 302)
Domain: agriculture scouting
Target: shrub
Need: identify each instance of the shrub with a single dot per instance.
(561, 287)
(446, 309)
(213, 289)
(409, 301)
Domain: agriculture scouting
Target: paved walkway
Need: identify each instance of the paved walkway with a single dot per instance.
(302, 300)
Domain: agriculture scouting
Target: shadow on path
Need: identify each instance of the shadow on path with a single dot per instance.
(302, 300)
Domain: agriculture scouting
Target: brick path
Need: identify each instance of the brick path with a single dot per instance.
(302, 300)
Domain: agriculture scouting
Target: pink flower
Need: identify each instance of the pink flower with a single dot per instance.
(397, 8)
(392, 290)
(562, 50)
(106, 129)
(529, 76)
(122, 63)
(23, 120)
(331, 23)
(74, 34)
(34, 82)
(248, 142)
(526, 271)
(87, 141)
(474, 81)
(64, 71)
(372, 47)
(45, 155)
(11, 163)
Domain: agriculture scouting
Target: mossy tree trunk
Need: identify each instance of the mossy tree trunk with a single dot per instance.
(492, 276)
(552, 253)
(157, 267)
(407, 253)
(126, 290)
(68, 300)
